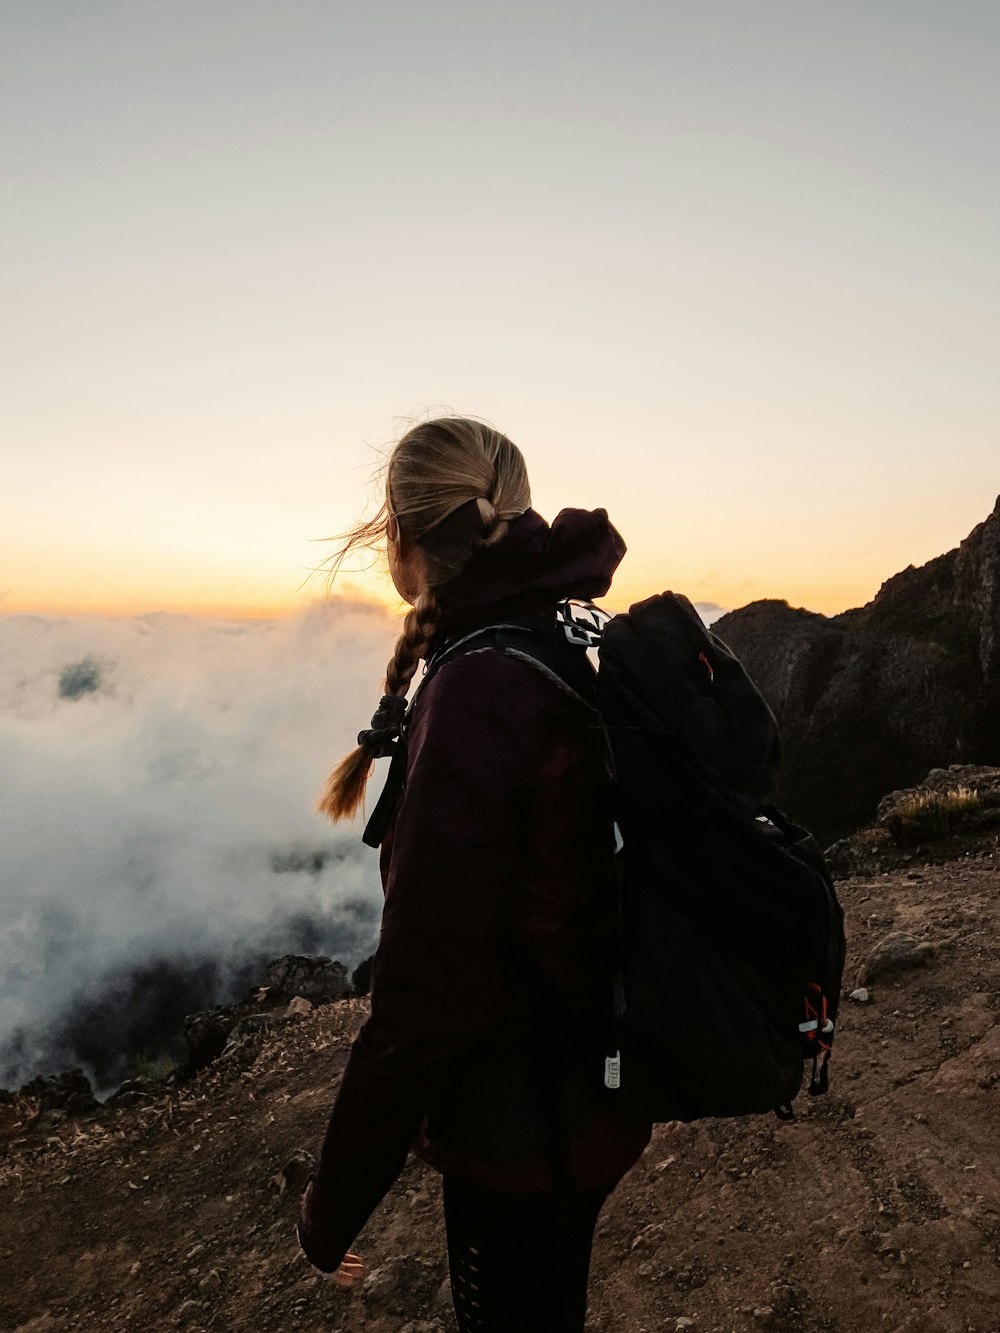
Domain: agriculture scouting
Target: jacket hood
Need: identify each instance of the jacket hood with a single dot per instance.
(534, 566)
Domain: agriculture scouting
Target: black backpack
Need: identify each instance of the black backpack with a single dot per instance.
(729, 939)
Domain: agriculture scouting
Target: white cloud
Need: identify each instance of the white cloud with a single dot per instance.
(156, 775)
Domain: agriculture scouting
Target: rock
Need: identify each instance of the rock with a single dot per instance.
(896, 953)
(842, 859)
(206, 1034)
(962, 797)
(870, 699)
(399, 1284)
(423, 1326)
(300, 980)
(859, 996)
(134, 1092)
(294, 1174)
(244, 1043)
(982, 779)
(69, 1091)
(649, 1236)
(683, 1323)
(912, 822)
(251, 1025)
(313, 978)
(361, 977)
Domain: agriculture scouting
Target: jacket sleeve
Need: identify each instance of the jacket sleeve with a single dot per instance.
(442, 982)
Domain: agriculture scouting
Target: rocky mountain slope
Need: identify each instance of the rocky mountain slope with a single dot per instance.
(877, 1209)
(870, 699)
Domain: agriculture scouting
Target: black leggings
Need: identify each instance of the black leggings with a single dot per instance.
(518, 1263)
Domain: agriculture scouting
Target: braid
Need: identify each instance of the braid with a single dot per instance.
(418, 630)
(345, 787)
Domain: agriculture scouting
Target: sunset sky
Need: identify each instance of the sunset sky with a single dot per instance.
(729, 270)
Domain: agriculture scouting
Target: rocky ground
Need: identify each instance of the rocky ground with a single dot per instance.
(877, 1209)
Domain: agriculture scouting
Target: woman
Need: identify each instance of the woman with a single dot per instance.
(491, 982)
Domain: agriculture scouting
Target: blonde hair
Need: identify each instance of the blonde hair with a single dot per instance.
(434, 469)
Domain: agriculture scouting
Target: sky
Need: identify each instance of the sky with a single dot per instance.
(728, 270)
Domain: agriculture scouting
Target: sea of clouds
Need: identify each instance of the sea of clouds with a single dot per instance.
(157, 837)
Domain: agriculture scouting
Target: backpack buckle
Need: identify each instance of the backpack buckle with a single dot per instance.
(613, 1070)
(582, 622)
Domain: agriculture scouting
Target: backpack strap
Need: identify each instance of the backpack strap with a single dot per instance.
(538, 642)
(395, 780)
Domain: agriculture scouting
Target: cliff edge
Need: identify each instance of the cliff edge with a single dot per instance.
(870, 699)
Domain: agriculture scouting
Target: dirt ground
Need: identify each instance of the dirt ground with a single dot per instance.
(877, 1209)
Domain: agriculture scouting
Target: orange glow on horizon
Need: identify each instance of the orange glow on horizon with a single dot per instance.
(377, 593)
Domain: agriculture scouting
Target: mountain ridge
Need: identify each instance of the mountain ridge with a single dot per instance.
(869, 699)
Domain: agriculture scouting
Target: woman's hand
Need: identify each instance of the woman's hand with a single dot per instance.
(351, 1270)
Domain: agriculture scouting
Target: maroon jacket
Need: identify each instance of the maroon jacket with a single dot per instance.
(492, 975)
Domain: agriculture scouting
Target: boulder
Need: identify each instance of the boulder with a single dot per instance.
(897, 952)
(294, 1174)
(314, 978)
(69, 1091)
(250, 1025)
(361, 977)
(134, 1092)
(845, 857)
(207, 1033)
(959, 798)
